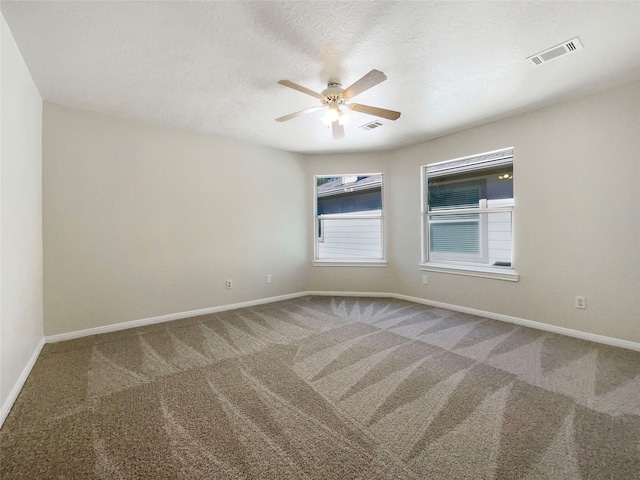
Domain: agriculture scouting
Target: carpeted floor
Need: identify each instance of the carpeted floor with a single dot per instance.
(327, 388)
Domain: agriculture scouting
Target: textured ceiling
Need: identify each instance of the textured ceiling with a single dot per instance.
(214, 66)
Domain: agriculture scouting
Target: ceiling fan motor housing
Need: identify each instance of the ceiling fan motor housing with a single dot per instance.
(333, 94)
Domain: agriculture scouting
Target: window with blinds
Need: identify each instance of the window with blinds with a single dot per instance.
(468, 209)
(452, 234)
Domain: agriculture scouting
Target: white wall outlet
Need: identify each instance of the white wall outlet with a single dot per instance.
(581, 302)
(269, 278)
(425, 280)
(229, 284)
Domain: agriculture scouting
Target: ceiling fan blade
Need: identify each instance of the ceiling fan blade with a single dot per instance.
(300, 88)
(376, 111)
(299, 114)
(371, 79)
(338, 130)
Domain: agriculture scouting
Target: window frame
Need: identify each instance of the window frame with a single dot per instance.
(441, 263)
(317, 239)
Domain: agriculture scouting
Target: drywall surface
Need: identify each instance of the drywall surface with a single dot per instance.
(347, 278)
(142, 221)
(20, 215)
(577, 216)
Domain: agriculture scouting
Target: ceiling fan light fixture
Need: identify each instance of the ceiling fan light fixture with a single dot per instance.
(332, 114)
(334, 96)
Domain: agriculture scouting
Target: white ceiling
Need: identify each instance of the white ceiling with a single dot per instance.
(213, 66)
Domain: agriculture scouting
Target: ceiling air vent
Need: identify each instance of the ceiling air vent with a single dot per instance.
(552, 53)
(371, 125)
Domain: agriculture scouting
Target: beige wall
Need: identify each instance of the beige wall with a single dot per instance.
(577, 230)
(20, 217)
(347, 279)
(577, 216)
(142, 221)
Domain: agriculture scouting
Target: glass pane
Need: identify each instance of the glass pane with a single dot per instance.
(351, 194)
(457, 237)
(465, 190)
(483, 238)
(454, 196)
(350, 238)
(500, 183)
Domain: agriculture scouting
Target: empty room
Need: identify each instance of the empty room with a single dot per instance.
(320, 240)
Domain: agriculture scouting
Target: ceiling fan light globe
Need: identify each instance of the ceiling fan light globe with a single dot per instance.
(332, 114)
(326, 121)
(343, 118)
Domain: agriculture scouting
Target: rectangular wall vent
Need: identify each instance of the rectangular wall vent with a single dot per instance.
(371, 125)
(552, 53)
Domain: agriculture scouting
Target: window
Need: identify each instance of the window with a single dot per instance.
(348, 220)
(468, 215)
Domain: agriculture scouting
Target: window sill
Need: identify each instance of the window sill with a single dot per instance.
(332, 262)
(495, 273)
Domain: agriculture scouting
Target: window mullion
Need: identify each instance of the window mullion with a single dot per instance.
(467, 211)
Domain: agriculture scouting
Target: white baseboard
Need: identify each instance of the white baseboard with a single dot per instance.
(592, 337)
(165, 318)
(616, 342)
(350, 294)
(15, 391)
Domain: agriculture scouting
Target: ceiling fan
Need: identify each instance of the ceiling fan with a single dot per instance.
(334, 97)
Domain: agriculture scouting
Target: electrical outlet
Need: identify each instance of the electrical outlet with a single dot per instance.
(229, 284)
(269, 278)
(581, 302)
(425, 280)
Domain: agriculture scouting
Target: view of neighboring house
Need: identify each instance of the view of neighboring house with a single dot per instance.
(456, 232)
(349, 217)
